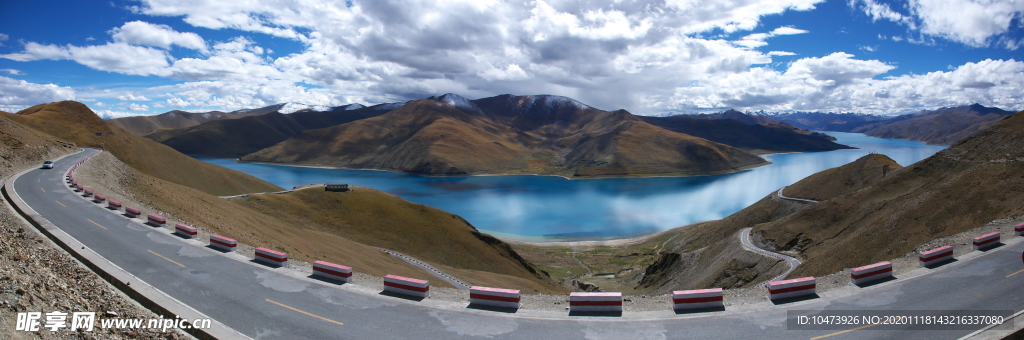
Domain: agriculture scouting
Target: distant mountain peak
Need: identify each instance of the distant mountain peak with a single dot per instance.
(458, 102)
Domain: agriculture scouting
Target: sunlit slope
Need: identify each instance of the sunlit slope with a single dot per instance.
(75, 122)
(975, 181)
(435, 137)
(710, 255)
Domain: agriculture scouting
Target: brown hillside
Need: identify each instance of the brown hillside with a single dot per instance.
(433, 136)
(75, 122)
(944, 126)
(142, 125)
(975, 181)
(710, 255)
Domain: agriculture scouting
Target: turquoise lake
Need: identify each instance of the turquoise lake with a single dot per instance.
(537, 208)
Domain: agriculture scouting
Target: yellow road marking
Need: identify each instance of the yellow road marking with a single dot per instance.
(1018, 272)
(304, 312)
(61, 204)
(44, 190)
(96, 223)
(851, 330)
(161, 256)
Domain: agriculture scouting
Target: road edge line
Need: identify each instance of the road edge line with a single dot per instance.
(143, 293)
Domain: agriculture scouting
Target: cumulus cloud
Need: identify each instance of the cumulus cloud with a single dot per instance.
(18, 94)
(144, 33)
(111, 114)
(11, 71)
(840, 83)
(138, 107)
(976, 23)
(113, 57)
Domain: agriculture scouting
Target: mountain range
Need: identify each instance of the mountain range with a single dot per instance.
(508, 134)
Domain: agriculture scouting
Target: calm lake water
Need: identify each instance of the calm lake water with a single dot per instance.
(552, 208)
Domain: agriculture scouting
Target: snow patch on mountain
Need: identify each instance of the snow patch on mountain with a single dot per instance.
(458, 102)
(294, 107)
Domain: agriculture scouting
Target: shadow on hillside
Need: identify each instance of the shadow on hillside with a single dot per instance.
(795, 299)
(940, 264)
(493, 308)
(605, 314)
(875, 282)
(402, 296)
(700, 310)
(328, 280)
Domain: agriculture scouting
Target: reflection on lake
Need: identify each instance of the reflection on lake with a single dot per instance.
(525, 207)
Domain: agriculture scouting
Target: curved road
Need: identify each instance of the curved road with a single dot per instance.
(745, 240)
(275, 303)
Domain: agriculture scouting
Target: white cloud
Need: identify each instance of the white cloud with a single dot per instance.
(758, 39)
(111, 114)
(788, 30)
(3, 37)
(113, 57)
(19, 94)
(144, 33)
(132, 97)
(138, 107)
(977, 23)
(780, 53)
(12, 71)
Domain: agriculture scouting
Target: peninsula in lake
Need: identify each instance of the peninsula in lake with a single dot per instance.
(506, 134)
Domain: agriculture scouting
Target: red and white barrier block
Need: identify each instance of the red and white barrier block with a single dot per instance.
(497, 297)
(99, 198)
(88, 193)
(1019, 229)
(792, 288)
(271, 257)
(133, 212)
(114, 205)
(156, 220)
(700, 298)
(78, 188)
(332, 271)
(223, 243)
(186, 231)
(406, 286)
(986, 241)
(595, 302)
(934, 256)
(872, 272)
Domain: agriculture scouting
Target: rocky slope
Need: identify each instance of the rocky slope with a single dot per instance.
(177, 119)
(508, 134)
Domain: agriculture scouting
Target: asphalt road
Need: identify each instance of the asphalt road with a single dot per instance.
(272, 303)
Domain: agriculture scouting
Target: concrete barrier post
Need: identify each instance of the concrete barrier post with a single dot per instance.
(114, 205)
(595, 302)
(497, 297)
(986, 241)
(332, 271)
(873, 272)
(1019, 229)
(935, 256)
(186, 231)
(88, 193)
(133, 212)
(700, 298)
(99, 198)
(78, 188)
(406, 286)
(156, 220)
(792, 288)
(271, 257)
(223, 243)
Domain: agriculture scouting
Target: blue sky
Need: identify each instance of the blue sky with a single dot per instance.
(650, 57)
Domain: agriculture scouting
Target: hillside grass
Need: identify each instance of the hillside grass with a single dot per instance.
(74, 122)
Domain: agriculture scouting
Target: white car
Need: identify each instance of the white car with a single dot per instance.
(48, 165)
